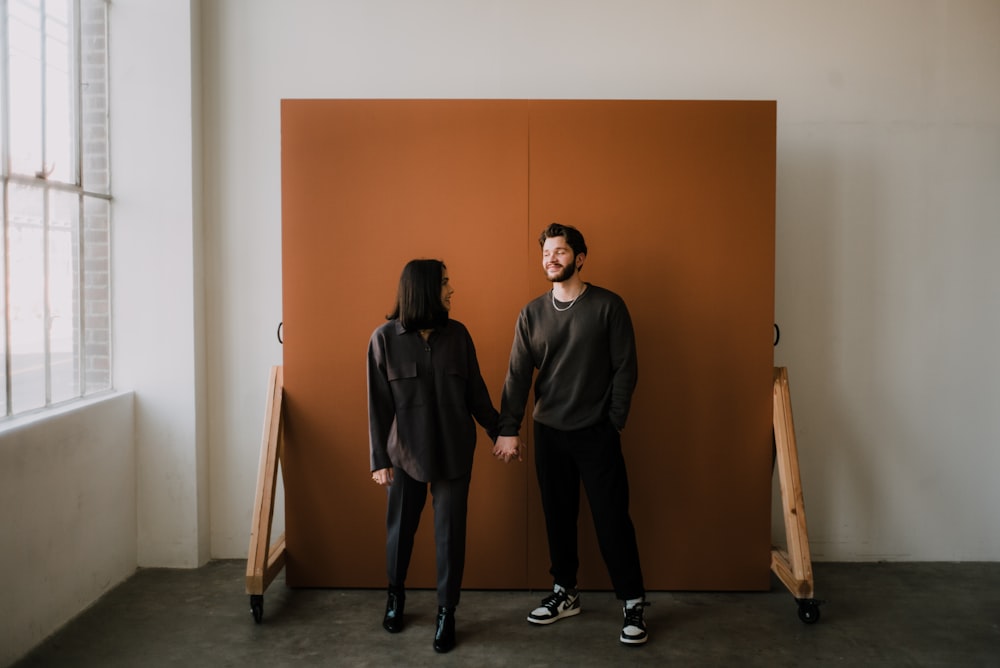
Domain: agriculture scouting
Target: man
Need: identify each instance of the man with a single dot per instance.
(579, 337)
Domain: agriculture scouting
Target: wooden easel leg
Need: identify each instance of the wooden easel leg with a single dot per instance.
(265, 560)
(794, 565)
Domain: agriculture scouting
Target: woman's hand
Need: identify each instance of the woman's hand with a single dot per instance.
(507, 448)
(382, 477)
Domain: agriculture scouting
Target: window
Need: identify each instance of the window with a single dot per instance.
(55, 264)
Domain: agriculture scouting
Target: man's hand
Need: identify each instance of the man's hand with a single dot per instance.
(508, 447)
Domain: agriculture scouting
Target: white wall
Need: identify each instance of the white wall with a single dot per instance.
(67, 508)
(159, 343)
(888, 214)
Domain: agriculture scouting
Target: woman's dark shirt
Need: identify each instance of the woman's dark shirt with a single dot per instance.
(422, 398)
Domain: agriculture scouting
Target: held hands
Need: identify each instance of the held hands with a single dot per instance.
(382, 477)
(509, 447)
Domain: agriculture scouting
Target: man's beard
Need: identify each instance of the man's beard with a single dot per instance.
(564, 275)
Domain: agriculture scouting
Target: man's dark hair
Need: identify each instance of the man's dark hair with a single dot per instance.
(573, 237)
(418, 299)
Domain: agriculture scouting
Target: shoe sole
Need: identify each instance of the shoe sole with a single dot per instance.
(631, 642)
(551, 620)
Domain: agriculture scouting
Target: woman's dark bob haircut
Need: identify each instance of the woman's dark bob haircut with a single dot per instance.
(418, 299)
(573, 237)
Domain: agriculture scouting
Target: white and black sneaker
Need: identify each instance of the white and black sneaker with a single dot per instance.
(560, 603)
(634, 626)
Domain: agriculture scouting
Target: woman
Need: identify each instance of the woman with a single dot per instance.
(424, 389)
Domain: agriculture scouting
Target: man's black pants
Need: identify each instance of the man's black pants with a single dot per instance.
(593, 455)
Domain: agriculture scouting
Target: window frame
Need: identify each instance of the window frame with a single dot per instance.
(89, 227)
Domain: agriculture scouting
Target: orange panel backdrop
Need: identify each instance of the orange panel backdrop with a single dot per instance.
(676, 200)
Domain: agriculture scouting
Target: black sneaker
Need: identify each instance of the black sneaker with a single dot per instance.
(634, 626)
(560, 603)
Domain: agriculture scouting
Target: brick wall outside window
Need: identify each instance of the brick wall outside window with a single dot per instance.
(96, 289)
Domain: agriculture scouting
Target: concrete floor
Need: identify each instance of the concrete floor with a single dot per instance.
(900, 614)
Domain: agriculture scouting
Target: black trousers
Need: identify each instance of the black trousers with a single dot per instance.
(593, 455)
(451, 503)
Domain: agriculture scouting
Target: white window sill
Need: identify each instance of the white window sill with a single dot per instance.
(35, 417)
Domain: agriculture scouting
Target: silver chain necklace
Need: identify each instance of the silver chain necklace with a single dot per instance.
(570, 304)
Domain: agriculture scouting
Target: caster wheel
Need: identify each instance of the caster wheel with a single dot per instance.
(257, 607)
(809, 611)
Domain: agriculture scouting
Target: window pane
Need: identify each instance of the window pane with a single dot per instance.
(60, 156)
(97, 294)
(27, 297)
(24, 28)
(64, 300)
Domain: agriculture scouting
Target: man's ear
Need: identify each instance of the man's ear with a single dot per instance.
(580, 257)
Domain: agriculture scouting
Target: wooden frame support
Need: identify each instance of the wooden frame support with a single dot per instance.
(265, 559)
(794, 565)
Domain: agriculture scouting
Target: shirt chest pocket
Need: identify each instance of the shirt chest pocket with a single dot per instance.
(405, 383)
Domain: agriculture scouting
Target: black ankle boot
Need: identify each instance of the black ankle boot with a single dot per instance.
(444, 637)
(394, 604)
